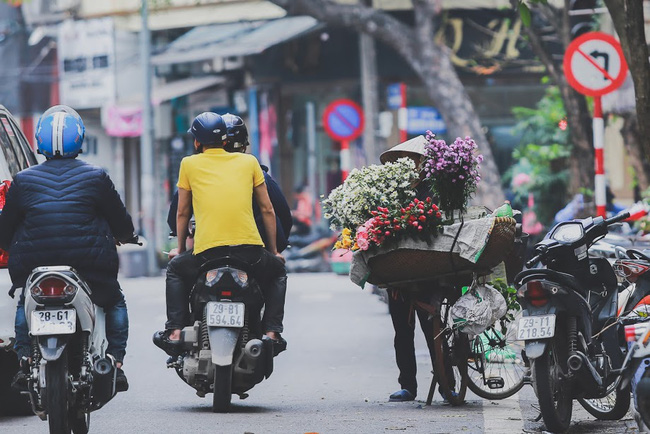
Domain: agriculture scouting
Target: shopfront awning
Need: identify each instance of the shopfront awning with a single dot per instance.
(175, 89)
(233, 39)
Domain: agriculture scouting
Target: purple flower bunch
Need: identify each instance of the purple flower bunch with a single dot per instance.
(452, 170)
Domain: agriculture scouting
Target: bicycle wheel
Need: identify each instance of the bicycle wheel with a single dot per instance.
(451, 354)
(496, 368)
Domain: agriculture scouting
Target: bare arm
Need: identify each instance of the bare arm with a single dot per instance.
(183, 216)
(268, 216)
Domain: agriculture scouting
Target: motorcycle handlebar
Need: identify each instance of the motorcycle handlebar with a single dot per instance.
(533, 260)
(617, 218)
(135, 239)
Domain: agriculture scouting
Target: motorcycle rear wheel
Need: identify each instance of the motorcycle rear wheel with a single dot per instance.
(80, 421)
(222, 393)
(56, 395)
(554, 392)
(614, 406)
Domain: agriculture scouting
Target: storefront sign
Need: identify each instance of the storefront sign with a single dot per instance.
(421, 119)
(395, 97)
(86, 58)
(123, 121)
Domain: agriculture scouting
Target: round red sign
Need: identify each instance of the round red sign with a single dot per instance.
(594, 64)
(343, 120)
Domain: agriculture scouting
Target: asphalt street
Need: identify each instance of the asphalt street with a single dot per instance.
(335, 377)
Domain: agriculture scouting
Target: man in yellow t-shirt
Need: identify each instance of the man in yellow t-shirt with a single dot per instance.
(218, 187)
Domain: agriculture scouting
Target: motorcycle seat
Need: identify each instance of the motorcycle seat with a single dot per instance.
(225, 261)
(639, 254)
(563, 279)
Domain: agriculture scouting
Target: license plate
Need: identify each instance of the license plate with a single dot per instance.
(536, 327)
(225, 314)
(53, 322)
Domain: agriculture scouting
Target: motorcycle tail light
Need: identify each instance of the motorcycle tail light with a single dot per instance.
(53, 288)
(239, 276)
(536, 294)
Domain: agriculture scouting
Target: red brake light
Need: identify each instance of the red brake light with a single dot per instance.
(4, 258)
(53, 287)
(226, 293)
(536, 294)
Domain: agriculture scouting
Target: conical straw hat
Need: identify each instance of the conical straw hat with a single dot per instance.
(413, 146)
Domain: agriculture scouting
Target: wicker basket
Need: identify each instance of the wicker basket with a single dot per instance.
(402, 265)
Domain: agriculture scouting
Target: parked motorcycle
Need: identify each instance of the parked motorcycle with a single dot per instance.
(71, 373)
(569, 323)
(225, 350)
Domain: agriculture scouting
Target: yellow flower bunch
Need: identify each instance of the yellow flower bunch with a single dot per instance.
(346, 241)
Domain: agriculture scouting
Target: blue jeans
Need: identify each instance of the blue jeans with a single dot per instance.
(117, 329)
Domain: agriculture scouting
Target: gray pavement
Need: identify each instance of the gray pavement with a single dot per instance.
(335, 378)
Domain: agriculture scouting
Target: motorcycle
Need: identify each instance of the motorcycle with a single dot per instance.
(569, 324)
(71, 375)
(224, 350)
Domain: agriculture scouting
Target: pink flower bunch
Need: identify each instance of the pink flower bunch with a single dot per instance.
(419, 217)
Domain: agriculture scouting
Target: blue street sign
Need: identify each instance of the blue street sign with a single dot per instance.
(343, 120)
(394, 96)
(421, 119)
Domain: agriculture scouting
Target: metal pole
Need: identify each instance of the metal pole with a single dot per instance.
(599, 144)
(311, 150)
(147, 188)
(402, 114)
(369, 96)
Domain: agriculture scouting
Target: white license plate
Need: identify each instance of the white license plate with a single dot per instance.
(536, 327)
(225, 314)
(53, 322)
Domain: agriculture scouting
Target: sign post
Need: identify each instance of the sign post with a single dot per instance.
(343, 122)
(594, 65)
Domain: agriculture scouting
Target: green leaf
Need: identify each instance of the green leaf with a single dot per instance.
(524, 11)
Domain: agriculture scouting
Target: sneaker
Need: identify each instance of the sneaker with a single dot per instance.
(279, 344)
(121, 383)
(401, 396)
(171, 347)
(19, 382)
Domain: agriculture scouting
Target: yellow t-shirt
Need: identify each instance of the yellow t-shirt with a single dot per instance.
(222, 196)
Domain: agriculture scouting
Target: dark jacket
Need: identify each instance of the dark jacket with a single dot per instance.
(65, 212)
(283, 220)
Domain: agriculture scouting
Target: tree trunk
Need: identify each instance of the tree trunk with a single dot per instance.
(627, 16)
(430, 61)
(641, 165)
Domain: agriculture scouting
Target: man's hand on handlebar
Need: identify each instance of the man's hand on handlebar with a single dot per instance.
(134, 239)
(172, 253)
(280, 257)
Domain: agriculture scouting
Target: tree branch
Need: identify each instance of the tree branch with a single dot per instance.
(371, 21)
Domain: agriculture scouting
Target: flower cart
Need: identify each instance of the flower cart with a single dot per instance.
(409, 226)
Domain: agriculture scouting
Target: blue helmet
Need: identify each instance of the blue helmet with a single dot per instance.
(60, 133)
(236, 131)
(208, 129)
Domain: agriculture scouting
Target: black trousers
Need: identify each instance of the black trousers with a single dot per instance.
(269, 271)
(403, 315)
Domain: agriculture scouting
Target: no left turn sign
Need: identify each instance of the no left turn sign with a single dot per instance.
(594, 64)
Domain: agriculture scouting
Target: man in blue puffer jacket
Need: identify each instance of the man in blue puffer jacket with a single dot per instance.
(67, 212)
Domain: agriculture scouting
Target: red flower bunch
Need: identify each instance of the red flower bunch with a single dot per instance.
(419, 217)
